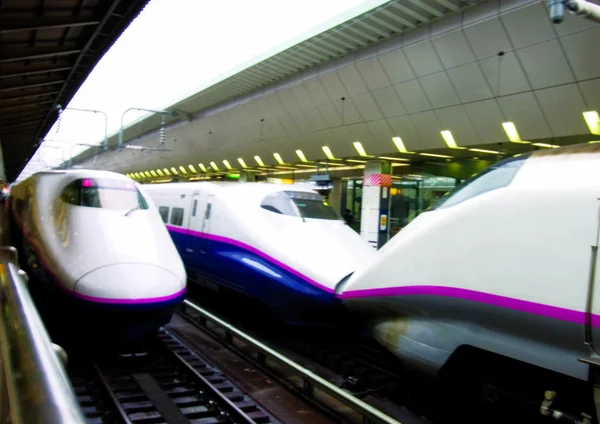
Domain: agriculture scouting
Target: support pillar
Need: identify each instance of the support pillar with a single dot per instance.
(247, 176)
(374, 222)
(335, 197)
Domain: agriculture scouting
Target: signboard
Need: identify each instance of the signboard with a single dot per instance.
(383, 220)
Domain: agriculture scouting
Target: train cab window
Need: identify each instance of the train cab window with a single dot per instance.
(177, 216)
(496, 176)
(164, 213)
(194, 207)
(104, 193)
(299, 203)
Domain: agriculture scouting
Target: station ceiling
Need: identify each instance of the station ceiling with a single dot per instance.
(444, 77)
(47, 50)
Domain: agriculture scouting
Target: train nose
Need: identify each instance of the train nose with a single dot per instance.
(130, 283)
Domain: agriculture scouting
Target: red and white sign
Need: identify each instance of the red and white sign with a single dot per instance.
(380, 180)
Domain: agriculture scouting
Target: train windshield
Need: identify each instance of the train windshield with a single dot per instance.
(299, 203)
(496, 176)
(104, 193)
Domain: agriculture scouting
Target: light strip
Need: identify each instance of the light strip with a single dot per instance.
(356, 160)
(327, 152)
(214, 166)
(435, 155)
(278, 158)
(593, 121)
(159, 172)
(202, 167)
(242, 162)
(485, 151)
(553, 146)
(259, 160)
(308, 171)
(166, 171)
(153, 174)
(595, 142)
(192, 169)
(183, 171)
(400, 145)
(513, 135)
(359, 148)
(306, 166)
(174, 171)
(449, 139)
(226, 163)
(394, 165)
(392, 158)
(301, 155)
(285, 167)
(148, 174)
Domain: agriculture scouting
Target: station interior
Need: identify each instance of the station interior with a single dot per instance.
(383, 304)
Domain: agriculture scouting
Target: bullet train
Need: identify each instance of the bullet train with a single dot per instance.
(282, 245)
(505, 264)
(98, 251)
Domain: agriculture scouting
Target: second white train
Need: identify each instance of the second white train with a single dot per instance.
(280, 244)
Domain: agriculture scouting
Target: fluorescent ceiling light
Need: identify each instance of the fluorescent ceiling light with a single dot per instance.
(359, 148)
(259, 160)
(593, 121)
(226, 163)
(553, 146)
(485, 151)
(192, 169)
(301, 155)
(511, 131)
(174, 171)
(214, 166)
(435, 155)
(159, 172)
(400, 145)
(202, 167)
(449, 139)
(153, 173)
(242, 162)
(278, 158)
(392, 158)
(166, 171)
(327, 152)
(356, 160)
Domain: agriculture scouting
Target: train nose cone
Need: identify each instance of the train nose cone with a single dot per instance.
(130, 283)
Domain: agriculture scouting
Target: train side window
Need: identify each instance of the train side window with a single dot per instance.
(164, 213)
(194, 207)
(207, 213)
(177, 216)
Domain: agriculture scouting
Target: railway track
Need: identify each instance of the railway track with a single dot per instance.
(160, 381)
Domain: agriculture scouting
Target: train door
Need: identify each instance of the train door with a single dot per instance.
(195, 243)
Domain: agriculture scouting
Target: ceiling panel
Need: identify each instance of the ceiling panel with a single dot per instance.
(470, 83)
(367, 107)
(423, 59)
(523, 110)
(373, 74)
(439, 90)
(580, 49)
(453, 49)
(528, 25)
(403, 127)
(591, 93)
(388, 101)
(555, 69)
(486, 117)
(412, 96)
(396, 67)
(455, 119)
(504, 74)
(352, 81)
(563, 107)
(428, 127)
(487, 38)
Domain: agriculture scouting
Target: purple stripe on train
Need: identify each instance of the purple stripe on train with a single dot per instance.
(555, 312)
(104, 300)
(251, 249)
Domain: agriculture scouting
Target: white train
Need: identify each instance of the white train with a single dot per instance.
(507, 263)
(280, 244)
(99, 250)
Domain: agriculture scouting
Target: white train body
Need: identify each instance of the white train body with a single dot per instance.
(230, 234)
(100, 242)
(506, 263)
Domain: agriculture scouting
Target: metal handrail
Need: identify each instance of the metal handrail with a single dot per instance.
(34, 387)
(367, 411)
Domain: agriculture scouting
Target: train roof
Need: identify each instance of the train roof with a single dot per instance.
(75, 173)
(256, 187)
